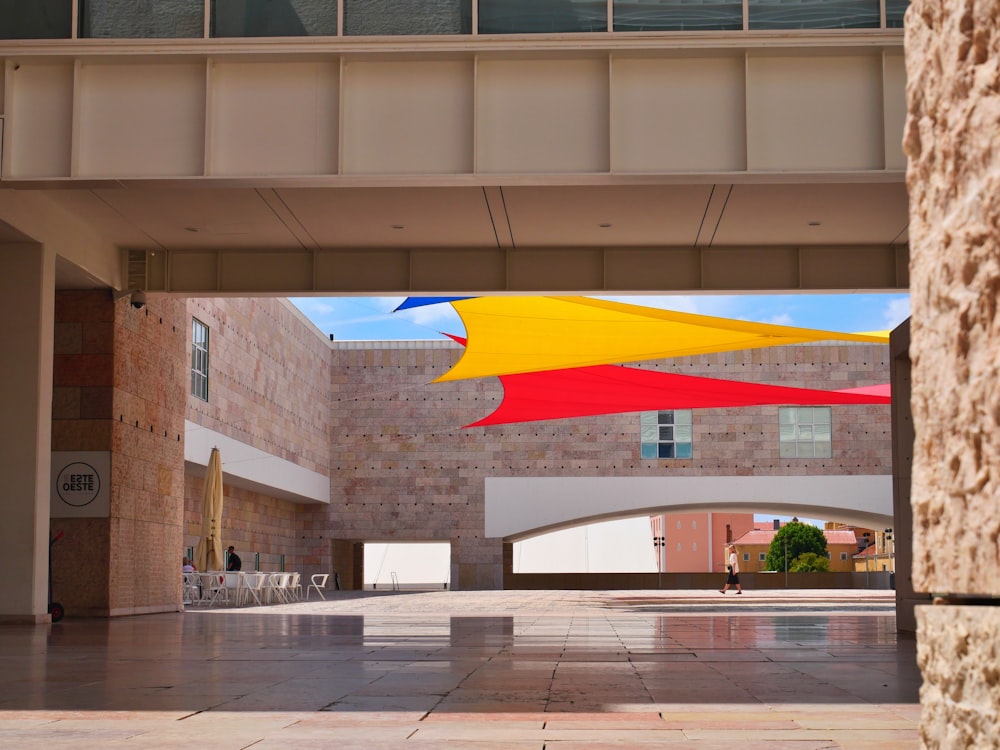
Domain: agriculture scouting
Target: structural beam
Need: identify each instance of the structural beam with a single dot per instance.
(529, 270)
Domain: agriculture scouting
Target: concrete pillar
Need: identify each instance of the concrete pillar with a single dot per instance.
(907, 599)
(27, 299)
(953, 176)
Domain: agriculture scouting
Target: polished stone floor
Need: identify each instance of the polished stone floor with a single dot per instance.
(541, 669)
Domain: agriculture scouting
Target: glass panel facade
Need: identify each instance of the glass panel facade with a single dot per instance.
(247, 18)
(814, 14)
(894, 11)
(665, 434)
(398, 17)
(138, 19)
(678, 15)
(36, 19)
(542, 16)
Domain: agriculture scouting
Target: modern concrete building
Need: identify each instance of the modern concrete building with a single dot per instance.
(210, 149)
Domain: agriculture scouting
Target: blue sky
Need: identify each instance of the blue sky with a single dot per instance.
(371, 318)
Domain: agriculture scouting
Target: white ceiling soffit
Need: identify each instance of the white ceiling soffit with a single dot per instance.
(689, 215)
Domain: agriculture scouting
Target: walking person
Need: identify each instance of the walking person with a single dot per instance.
(734, 572)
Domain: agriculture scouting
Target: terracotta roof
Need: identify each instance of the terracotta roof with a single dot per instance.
(766, 536)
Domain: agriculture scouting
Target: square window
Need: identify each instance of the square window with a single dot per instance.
(805, 432)
(666, 434)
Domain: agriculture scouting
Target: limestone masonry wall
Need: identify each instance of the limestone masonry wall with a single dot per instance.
(403, 469)
(953, 144)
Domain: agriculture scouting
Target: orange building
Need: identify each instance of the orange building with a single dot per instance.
(696, 542)
(753, 547)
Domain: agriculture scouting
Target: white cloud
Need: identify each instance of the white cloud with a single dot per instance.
(431, 315)
(896, 311)
(781, 319)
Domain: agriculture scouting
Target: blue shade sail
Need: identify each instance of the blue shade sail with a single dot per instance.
(411, 302)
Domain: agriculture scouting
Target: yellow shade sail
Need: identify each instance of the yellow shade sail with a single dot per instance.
(508, 335)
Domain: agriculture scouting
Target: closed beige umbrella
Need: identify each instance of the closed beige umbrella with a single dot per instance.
(209, 554)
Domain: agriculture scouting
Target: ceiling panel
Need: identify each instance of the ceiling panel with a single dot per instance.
(393, 217)
(814, 214)
(179, 219)
(637, 215)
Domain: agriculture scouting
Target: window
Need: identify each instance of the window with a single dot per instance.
(666, 434)
(746, 557)
(762, 556)
(843, 555)
(804, 432)
(199, 359)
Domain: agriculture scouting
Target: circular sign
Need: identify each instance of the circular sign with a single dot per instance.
(78, 484)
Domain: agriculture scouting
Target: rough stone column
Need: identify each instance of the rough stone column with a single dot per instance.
(952, 140)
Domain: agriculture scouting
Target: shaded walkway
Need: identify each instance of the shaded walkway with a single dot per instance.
(494, 669)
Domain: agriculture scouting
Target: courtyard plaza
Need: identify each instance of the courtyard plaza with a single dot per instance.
(473, 669)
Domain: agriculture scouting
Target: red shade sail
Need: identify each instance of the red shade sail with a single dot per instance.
(609, 389)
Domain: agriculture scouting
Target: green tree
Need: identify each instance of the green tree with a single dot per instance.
(799, 538)
(810, 562)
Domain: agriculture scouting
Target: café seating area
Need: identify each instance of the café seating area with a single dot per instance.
(244, 589)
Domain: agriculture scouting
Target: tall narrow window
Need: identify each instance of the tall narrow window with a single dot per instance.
(199, 359)
(666, 434)
(805, 432)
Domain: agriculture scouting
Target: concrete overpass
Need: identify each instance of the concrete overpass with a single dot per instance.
(521, 507)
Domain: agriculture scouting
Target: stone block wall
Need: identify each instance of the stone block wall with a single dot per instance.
(252, 522)
(118, 380)
(147, 461)
(269, 387)
(953, 177)
(269, 375)
(954, 183)
(403, 469)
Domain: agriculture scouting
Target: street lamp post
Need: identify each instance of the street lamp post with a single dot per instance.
(888, 552)
(786, 562)
(868, 543)
(659, 543)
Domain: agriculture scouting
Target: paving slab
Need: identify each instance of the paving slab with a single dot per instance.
(443, 669)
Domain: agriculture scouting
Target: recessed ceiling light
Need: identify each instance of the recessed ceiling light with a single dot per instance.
(604, 226)
(815, 223)
(190, 229)
(398, 226)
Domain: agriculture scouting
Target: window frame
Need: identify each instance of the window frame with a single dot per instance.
(664, 432)
(199, 359)
(800, 433)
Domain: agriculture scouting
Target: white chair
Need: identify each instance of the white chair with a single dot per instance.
(213, 588)
(253, 588)
(278, 588)
(233, 581)
(318, 582)
(295, 587)
(191, 589)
